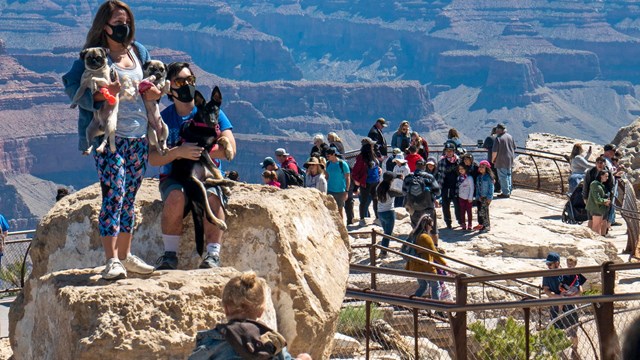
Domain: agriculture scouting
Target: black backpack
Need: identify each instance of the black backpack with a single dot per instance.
(419, 196)
(293, 179)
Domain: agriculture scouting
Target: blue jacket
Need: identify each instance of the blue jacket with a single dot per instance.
(211, 345)
(86, 105)
(484, 186)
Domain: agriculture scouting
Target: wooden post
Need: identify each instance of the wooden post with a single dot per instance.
(609, 343)
(459, 321)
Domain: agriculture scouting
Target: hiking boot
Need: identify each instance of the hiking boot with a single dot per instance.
(114, 270)
(168, 261)
(211, 260)
(136, 265)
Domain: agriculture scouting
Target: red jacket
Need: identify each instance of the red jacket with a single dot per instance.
(291, 164)
(412, 159)
(359, 171)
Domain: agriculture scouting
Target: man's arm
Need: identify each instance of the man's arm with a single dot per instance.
(185, 151)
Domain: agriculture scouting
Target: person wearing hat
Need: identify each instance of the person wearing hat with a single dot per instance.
(376, 135)
(269, 164)
(555, 287)
(286, 160)
(397, 153)
(503, 153)
(400, 170)
(315, 174)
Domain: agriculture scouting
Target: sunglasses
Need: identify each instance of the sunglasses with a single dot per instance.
(180, 82)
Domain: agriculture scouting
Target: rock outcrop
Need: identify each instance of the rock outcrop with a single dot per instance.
(293, 238)
(628, 141)
(74, 314)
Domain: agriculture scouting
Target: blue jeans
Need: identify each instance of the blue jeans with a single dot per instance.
(387, 220)
(435, 288)
(574, 181)
(504, 176)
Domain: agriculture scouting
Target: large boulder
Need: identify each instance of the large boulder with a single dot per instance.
(74, 314)
(628, 141)
(293, 238)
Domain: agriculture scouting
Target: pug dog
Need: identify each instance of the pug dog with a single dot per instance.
(155, 74)
(96, 77)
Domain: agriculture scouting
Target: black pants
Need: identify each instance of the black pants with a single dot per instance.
(448, 197)
(367, 194)
(348, 205)
(496, 186)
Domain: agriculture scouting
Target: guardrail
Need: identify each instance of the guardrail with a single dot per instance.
(378, 312)
(15, 263)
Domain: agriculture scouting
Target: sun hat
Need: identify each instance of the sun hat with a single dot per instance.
(400, 160)
(485, 163)
(313, 161)
(382, 121)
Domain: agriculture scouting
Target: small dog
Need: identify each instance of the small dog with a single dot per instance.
(155, 74)
(193, 175)
(97, 75)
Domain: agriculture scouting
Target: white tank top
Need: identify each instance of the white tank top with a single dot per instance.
(132, 116)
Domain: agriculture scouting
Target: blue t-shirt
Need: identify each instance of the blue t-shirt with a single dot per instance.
(174, 123)
(336, 182)
(4, 225)
(373, 174)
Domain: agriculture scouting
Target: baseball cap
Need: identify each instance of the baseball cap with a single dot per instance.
(421, 162)
(553, 257)
(367, 140)
(501, 126)
(383, 122)
(431, 161)
(281, 152)
(609, 147)
(267, 161)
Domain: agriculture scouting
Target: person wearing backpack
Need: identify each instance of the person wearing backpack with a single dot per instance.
(420, 190)
(366, 175)
(339, 178)
(448, 179)
(420, 236)
(287, 161)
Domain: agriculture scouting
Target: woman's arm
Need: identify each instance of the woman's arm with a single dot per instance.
(71, 82)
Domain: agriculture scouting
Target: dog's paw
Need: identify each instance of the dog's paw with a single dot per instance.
(229, 154)
(222, 225)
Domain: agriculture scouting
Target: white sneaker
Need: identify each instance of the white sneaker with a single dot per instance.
(114, 270)
(136, 265)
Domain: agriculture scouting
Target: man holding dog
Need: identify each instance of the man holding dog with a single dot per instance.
(182, 110)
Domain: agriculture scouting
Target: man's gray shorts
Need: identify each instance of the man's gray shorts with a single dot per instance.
(168, 185)
(339, 197)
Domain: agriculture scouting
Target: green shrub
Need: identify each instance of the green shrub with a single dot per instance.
(352, 320)
(507, 341)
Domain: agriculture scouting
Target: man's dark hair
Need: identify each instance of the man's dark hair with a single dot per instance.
(233, 175)
(62, 192)
(174, 69)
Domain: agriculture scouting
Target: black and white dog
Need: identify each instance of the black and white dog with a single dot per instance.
(204, 131)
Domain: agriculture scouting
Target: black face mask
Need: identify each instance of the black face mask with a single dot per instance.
(119, 33)
(185, 93)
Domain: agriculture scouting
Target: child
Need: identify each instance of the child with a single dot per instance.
(243, 301)
(465, 196)
(401, 170)
(270, 178)
(571, 285)
(484, 194)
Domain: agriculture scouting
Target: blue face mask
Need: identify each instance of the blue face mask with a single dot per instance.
(120, 33)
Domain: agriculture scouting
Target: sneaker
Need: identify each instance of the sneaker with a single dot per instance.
(114, 270)
(615, 223)
(503, 196)
(168, 261)
(478, 227)
(211, 260)
(136, 265)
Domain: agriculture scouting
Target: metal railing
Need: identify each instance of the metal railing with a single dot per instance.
(380, 316)
(15, 263)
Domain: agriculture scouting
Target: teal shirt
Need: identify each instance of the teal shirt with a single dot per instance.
(336, 171)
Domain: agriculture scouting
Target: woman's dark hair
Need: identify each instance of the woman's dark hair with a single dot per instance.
(490, 172)
(600, 173)
(383, 187)
(367, 153)
(453, 133)
(96, 37)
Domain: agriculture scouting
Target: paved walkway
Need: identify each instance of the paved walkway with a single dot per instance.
(4, 315)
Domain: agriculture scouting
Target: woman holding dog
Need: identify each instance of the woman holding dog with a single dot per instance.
(120, 172)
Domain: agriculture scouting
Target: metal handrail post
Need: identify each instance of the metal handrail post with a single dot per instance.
(609, 343)
(459, 321)
(527, 329)
(372, 256)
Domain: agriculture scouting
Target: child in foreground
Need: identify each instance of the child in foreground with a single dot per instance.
(243, 336)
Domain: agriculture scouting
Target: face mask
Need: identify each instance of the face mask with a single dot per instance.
(185, 93)
(119, 33)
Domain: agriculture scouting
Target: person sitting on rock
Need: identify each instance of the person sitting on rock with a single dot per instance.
(269, 164)
(181, 111)
(243, 336)
(270, 178)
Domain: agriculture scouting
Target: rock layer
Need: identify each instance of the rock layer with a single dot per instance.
(294, 238)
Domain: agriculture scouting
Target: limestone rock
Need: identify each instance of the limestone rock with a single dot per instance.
(293, 238)
(627, 139)
(345, 346)
(74, 314)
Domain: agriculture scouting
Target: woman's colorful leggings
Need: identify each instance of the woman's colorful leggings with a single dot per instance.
(120, 177)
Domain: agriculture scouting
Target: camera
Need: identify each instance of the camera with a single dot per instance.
(480, 143)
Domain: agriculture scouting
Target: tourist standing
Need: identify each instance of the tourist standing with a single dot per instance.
(339, 181)
(315, 175)
(465, 197)
(386, 213)
(401, 139)
(484, 195)
(504, 151)
(420, 236)
(376, 135)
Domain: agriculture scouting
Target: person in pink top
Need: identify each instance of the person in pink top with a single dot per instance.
(270, 178)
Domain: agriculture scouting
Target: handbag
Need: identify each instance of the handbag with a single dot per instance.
(396, 187)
